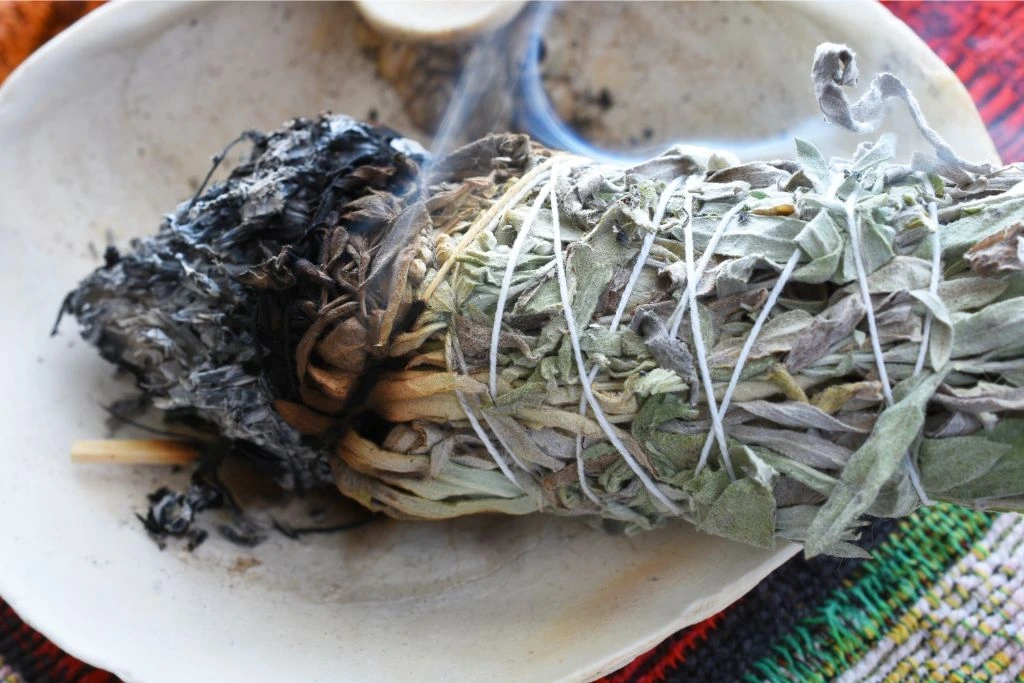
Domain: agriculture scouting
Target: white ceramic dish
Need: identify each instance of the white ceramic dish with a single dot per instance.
(102, 131)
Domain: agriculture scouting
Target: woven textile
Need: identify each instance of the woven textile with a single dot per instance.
(942, 599)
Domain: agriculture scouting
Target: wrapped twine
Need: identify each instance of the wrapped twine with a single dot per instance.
(764, 349)
(491, 426)
(603, 391)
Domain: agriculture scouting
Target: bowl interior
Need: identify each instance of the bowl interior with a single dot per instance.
(737, 76)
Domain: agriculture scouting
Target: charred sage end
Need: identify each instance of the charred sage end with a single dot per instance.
(209, 313)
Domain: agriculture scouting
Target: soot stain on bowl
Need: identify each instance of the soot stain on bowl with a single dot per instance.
(383, 561)
(391, 563)
(244, 563)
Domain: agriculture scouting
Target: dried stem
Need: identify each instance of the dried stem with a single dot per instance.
(133, 451)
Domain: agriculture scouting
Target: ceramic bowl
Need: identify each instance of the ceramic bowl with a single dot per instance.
(113, 123)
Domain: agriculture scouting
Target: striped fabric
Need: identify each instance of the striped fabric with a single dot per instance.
(855, 618)
(968, 626)
(941, 600)
(982, 42)
(943, 597)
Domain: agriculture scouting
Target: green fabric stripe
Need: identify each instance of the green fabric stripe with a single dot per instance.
(855, 616)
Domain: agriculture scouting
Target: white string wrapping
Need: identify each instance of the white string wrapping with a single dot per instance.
(634, 277)
(482, 434)
(865, 294)
(698, 339)
(687, 303)
(506, 283)
(748, 345)
(676, 319)
(869, 310)
(466, 405)
(645, 250)
(454, 357)
(933, 287)
(529, 181)
(609, 431)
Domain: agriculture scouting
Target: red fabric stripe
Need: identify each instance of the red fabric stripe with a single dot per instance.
(36, 658)
(965, 69)
(980, 40)
(985, 86)
(653, 665)
(1001, 103)
(1015, 152)
(692, 639)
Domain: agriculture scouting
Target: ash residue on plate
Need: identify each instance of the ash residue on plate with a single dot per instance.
(171, 513)
(232, 500)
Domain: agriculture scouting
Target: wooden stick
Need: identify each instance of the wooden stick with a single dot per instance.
(133, 451)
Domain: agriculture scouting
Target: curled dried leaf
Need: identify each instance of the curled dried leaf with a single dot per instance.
(1002, 252)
